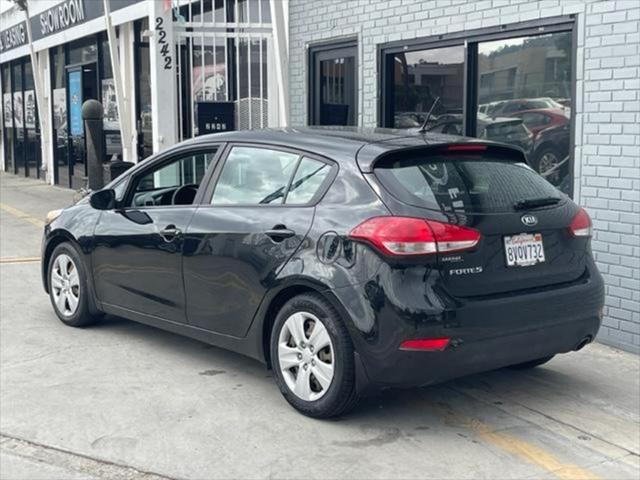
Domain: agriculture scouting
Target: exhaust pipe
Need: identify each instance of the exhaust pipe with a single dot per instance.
(585, 341)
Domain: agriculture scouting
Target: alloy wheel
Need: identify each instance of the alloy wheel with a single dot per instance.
(306, 356)
(547, 164)
(65, 285)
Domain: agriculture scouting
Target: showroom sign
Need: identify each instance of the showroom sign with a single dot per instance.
(13, 37)
(63, 16)
(69, 13)
(60, 17)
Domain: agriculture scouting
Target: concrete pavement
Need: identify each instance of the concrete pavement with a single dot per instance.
(122, 400)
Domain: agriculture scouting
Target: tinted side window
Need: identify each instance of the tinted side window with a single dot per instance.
(252, 176)
(308, 180)
(157, 186)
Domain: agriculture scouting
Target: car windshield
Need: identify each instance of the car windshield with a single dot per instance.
(462, 185)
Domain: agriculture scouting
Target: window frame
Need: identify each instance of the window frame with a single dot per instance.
(470, 39)
(222, 160)
(315, 53)
(165, 159)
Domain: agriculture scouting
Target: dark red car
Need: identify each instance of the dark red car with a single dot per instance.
(542, 118)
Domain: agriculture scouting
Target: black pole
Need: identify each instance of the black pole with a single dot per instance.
(92, 113)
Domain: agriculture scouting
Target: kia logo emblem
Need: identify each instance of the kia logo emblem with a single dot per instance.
(529, 220)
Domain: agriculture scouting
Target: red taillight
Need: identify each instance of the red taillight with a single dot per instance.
(581, 224)
(414, 236)
(425, 344)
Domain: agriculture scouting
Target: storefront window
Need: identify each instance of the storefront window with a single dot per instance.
(32, 133)
(7, 121)
(510, 89)
(143, 94)
(223, 82)
(111, 119)
(524, 98)
(18, 120)
(420, 78)
(219, 11)
(83, 51)
(59, 102)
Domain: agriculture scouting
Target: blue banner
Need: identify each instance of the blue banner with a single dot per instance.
(75, 103)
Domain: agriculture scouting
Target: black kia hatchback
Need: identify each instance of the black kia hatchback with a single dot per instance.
(344, 259)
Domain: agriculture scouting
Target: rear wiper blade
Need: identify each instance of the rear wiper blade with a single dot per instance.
(535, 202)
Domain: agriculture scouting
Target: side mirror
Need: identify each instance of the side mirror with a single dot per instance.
(103, 199)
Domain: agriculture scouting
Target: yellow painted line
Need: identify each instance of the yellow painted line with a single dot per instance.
(11, 261)
(521, 449)
(22, 215)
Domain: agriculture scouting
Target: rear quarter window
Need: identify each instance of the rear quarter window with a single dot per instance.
(460, 183)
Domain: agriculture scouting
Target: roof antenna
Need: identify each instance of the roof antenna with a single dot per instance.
(423, 128)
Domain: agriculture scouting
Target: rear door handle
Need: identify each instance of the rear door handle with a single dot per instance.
(170, 232)
(279, 233)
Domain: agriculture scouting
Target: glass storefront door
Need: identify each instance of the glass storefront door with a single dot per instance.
(334, 86)
(20, 164)
(7, 120)
(33, 152)
(82, 85)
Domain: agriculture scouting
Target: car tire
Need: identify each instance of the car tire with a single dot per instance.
(302, 369)
(545, 157)
(68, 287)
(532, 363)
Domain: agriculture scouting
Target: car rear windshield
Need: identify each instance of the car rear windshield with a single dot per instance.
(462, 183)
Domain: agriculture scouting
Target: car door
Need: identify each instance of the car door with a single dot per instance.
(260, 209)
(137, 256)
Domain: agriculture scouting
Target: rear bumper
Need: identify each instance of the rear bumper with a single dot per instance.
(486, 334)
(409, 369)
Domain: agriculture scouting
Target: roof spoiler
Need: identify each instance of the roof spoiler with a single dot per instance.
(497, 150)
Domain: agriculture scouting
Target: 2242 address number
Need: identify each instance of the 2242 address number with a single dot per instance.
(164, 46)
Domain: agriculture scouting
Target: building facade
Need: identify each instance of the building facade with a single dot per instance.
(558, 78)
(182, 68)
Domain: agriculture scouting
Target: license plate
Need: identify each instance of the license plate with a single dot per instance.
(524, 250)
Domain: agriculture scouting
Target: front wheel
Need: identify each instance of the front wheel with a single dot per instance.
(313, 358)
(68, 288)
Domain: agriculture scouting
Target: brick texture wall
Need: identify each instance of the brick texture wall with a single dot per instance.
(607, 107)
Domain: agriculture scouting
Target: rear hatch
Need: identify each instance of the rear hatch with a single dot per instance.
(525, 239)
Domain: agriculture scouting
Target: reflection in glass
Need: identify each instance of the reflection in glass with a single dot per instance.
(184, 171)
(308, 179)
(82, 51)
(254, 176)
(59, 104)
(528, 80)
(145, 123)
(208, 70)
(478, 185)
(422, 76)
(337, 91)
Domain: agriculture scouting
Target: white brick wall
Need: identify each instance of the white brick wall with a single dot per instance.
(607, 113)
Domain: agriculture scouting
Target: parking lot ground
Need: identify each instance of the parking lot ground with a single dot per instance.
(123, 400)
